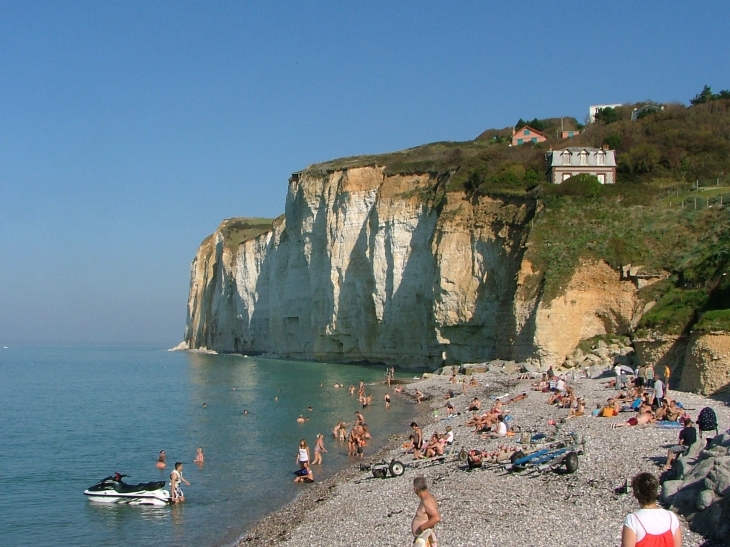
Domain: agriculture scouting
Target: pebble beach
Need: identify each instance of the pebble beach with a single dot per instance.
(489, 506)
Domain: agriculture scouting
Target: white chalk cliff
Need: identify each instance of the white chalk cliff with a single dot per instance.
(376, 267)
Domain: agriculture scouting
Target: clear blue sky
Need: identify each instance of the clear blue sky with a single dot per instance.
(129, 130)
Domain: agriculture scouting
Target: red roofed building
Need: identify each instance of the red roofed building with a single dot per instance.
(527, 134)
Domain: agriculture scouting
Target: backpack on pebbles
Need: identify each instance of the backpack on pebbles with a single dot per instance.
(707, 420)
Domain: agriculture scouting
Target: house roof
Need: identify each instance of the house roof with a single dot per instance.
(530, 128)
(558, 158)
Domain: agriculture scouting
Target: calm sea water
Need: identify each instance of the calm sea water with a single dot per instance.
(70, 416)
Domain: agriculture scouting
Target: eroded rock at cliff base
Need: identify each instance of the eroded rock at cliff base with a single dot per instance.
(707, 364)
(596, 301)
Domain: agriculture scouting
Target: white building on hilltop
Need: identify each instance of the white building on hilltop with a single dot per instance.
(596, 107)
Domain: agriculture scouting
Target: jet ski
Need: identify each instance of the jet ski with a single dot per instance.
(113, 489)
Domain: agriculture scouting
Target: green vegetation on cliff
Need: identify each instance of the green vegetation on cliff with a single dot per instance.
(237, 230)
(667, 212)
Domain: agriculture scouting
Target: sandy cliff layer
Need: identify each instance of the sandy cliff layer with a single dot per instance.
(707, 364)
(369, 266)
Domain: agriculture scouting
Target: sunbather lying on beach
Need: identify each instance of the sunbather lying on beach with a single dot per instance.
(644, 416)
(641, 419)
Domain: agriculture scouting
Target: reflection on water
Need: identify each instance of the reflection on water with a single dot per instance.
(74, 415)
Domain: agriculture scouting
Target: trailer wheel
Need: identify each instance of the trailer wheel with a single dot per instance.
(516, 456)
(571, 462)
(397, 468)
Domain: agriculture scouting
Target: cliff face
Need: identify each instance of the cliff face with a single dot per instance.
(377, 267)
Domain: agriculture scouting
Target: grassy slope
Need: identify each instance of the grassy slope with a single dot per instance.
(237, 230)
(653, 217)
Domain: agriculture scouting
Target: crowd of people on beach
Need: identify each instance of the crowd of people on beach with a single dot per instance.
(641, 392)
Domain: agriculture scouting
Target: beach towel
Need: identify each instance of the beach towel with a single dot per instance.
(669, 425)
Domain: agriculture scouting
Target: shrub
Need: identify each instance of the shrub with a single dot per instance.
(584, 186)
(675, 311)
(713, 321)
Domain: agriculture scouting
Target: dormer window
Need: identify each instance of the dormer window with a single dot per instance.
(601, 158)
(566, 158)
(584, 157)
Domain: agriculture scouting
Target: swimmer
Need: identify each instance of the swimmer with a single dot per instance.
(245, 412)
(301, 419)
(161, 460)
(199, 457)
(205, 405)
(309, 408)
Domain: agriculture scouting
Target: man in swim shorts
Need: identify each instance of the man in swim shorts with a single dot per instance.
(427, 515)
(175, 479)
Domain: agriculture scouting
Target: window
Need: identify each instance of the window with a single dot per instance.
(601, 158)
(601, 178)
(566, 176)
(566, 158)
(526, 132)
(520, 141)
(584, 158)
(534, 139)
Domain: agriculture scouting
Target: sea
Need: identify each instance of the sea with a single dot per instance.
(70, 416)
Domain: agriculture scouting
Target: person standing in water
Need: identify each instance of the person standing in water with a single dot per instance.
(175, 479)
(199, 457)
(161, 460)
(318, 449)
(303, 453)
(427, 515)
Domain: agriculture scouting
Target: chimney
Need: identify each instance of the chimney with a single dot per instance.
(605, 147)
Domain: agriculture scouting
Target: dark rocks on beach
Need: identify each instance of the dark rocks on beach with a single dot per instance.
(702, 490)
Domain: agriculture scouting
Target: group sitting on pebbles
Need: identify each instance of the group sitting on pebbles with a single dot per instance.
(598, 492)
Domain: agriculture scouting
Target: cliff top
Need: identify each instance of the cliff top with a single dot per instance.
(239, 229)
(680, 144)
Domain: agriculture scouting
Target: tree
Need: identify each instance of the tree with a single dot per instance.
(706, 96)
(613, 141)
(607, 115)
(534, 123)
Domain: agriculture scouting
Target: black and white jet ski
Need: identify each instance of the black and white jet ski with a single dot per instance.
(114, 490)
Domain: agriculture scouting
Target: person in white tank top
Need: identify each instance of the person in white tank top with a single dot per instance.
(650, 525)
(303, 453)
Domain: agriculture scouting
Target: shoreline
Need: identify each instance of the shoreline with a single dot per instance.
(276, 527)
(485, 506)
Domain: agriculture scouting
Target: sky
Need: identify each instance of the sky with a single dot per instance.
(129, 130)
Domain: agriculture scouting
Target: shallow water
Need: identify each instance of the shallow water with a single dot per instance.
(73, 415)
